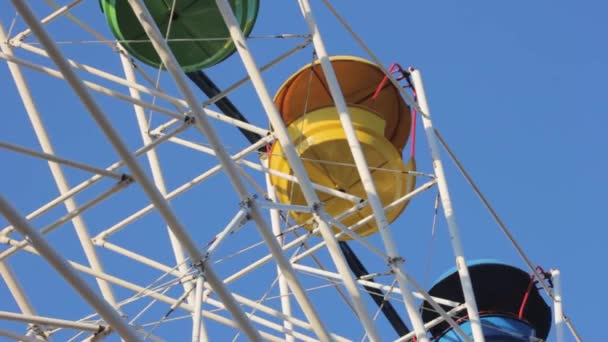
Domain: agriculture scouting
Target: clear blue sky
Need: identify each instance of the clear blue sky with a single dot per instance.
(516, 88)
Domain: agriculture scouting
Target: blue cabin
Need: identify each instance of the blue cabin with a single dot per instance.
(510, 306)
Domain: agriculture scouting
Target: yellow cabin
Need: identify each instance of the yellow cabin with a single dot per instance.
(382, 126)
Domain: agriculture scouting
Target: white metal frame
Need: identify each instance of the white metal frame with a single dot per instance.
(204, 291)
(60, 179)
(446, 203)
(101, 306)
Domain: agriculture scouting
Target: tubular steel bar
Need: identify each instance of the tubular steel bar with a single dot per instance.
(421, 294)
(296, 164)
(395, 261)
(275, 221)
(175, 302)
(263, 68)
(377, 295)
(53, 158)
(230, 168)
(448, 211)
(373, 57)
(265, 169)
(159, 202)
(154, 163)
(558, 306)
(176, 192)
(53, 322)
(62, 220)
(346, 213)
(49, 18)
(93, 86)
(16, 290)
(199, 333)
(17, 337)
(60, 180)
(383, 287)
(138, 257)
(89, 182)
(206, 85)
(439, 309)
(176, 102)
(67, 272)
(301, 239)
(231, 227)
(432, 323)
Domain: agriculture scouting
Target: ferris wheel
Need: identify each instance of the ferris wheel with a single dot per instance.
(193, 170)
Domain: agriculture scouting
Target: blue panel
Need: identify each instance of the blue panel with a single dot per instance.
(495, 329)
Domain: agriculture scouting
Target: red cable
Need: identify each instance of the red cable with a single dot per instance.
(380, 87)
(392, 69)
(395, 67)
(524, 301)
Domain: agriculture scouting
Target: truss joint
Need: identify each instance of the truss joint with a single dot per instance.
(248, 201)
(317, 207)
(15, 42)
(189, 119)
(37, 330)
(200, 266)
(126, 179)
(103, 331)
(395, 262)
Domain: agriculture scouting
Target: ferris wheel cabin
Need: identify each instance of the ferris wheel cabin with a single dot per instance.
(510, 306)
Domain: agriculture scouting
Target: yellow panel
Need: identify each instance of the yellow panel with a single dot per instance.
(306, 91)
(320, 141)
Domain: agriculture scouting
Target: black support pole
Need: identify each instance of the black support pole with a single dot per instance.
(204, 83)
(356, 266)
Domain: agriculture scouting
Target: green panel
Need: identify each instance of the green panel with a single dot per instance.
(192, 19)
